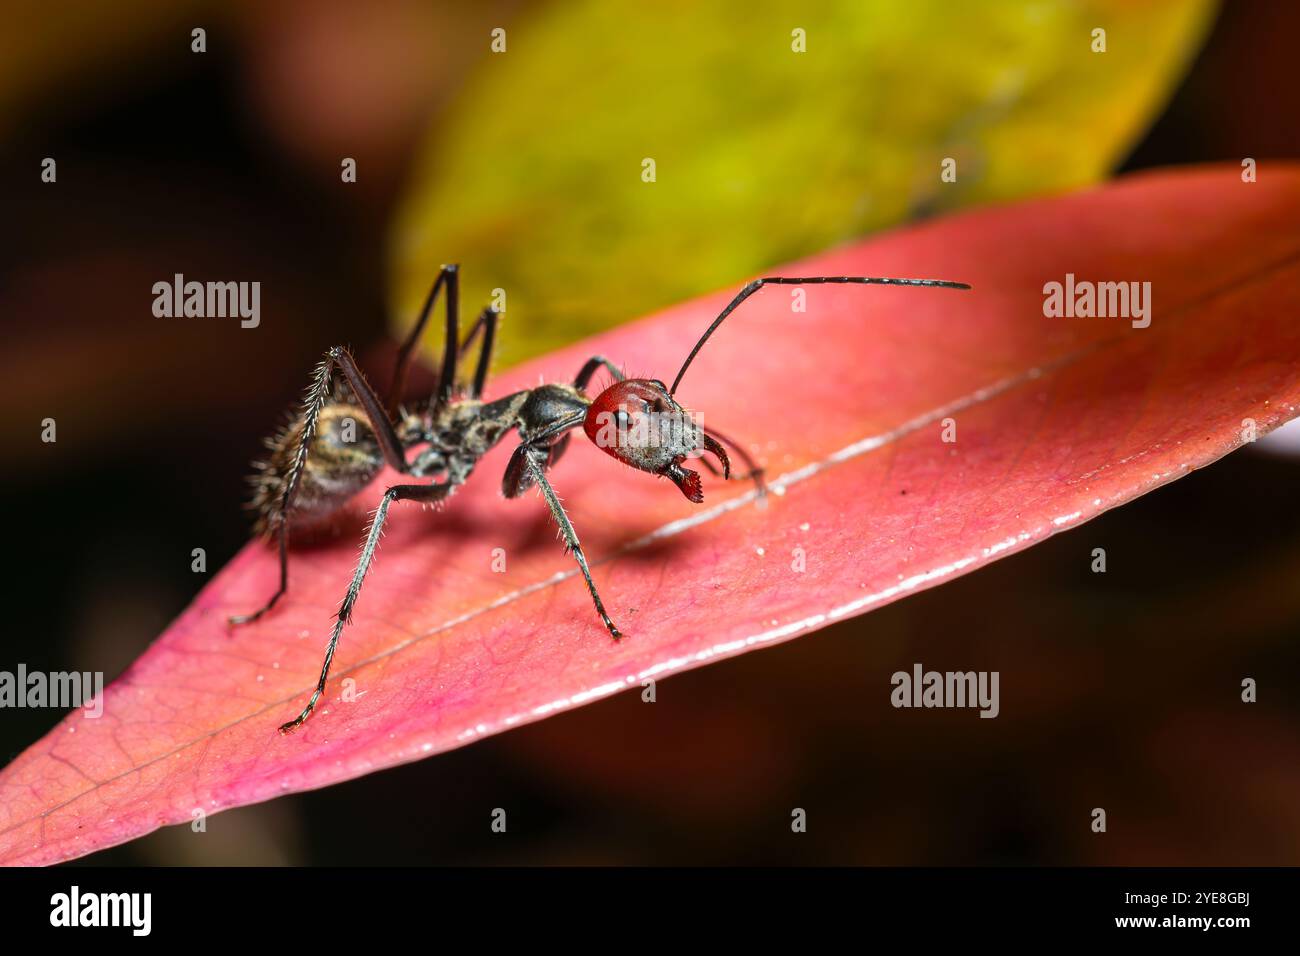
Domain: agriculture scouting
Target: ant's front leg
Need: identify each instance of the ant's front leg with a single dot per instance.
(755, 473)
(318, 395)
(584, 375)
(429, 494)
(537, 471)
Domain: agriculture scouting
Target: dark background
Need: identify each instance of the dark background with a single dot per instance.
(1119, 690)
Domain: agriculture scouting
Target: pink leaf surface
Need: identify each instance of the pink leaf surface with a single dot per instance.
(1057, 420)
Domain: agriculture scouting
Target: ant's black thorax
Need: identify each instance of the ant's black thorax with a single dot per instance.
(465, 430)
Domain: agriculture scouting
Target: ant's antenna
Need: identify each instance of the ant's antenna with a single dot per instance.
(757, 284)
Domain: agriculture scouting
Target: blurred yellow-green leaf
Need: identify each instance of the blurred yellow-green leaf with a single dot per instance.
(535, 180)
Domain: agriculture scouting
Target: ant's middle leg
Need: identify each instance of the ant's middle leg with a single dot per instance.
(448, 276)
(424, 493)
(317, 396)
(488, 320)
(486, 324)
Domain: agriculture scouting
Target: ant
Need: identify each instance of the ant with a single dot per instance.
(344, 435)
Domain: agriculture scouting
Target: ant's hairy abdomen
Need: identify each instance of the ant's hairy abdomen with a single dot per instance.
(343, 457)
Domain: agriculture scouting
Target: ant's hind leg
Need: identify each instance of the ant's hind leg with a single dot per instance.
(317, 396)
(283, 534)
(428, 494)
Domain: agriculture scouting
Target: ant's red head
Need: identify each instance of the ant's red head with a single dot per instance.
(640, 424)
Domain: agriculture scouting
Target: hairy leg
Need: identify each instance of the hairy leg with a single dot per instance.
(336, 358)
(424, 493)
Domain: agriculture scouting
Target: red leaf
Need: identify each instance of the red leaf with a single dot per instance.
(1057, 419)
